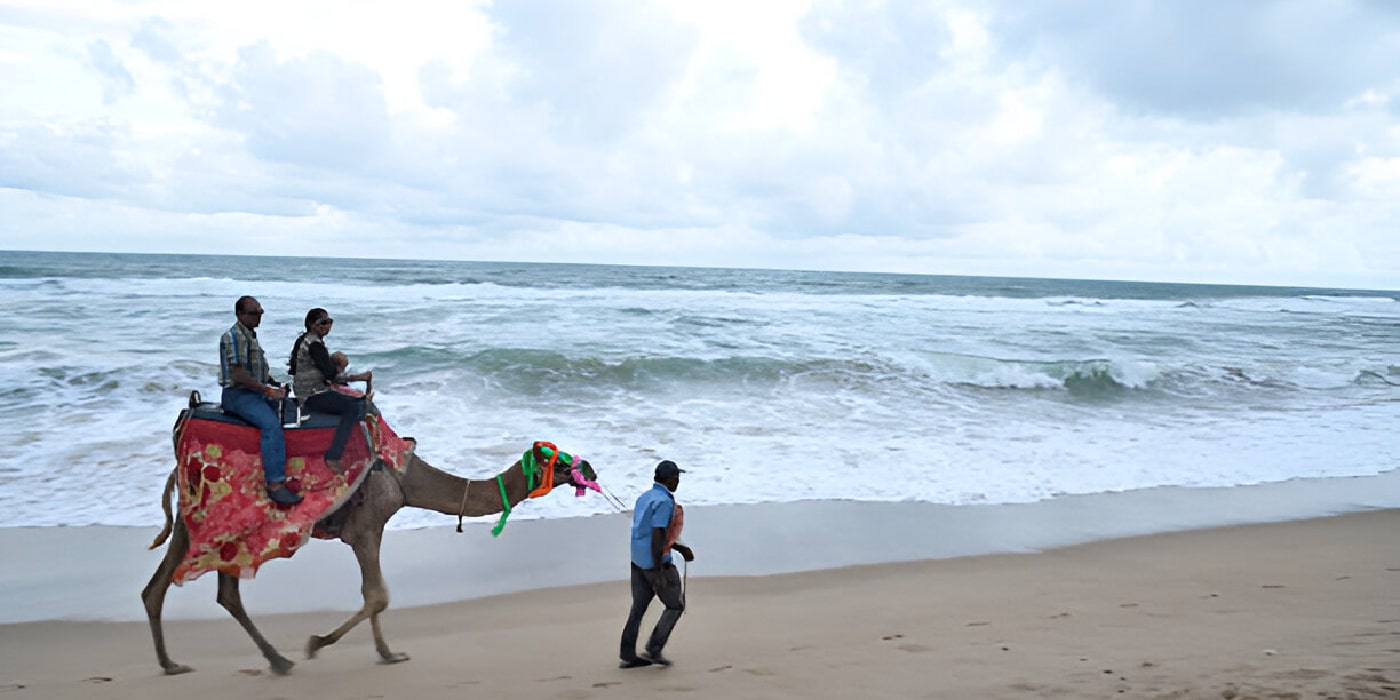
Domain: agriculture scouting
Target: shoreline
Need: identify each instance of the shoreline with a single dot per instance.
(437, 565)
(1303, 608)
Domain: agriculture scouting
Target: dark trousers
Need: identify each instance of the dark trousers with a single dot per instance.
(664, 584)
(350, 409)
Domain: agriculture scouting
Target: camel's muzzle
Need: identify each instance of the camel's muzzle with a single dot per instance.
(583, 477)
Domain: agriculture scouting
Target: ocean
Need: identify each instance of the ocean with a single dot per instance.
(765, 385)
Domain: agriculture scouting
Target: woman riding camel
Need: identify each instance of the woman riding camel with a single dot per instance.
(313, 376)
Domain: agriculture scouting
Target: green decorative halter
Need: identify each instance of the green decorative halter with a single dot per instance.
(530, 464)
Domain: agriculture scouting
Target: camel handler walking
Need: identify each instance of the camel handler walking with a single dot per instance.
(656, 524)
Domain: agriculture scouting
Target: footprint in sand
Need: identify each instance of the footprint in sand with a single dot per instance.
(99, 679)
(676, 689)
(12, 686)
(913, 648)
(1303, 674)
(1372, 685)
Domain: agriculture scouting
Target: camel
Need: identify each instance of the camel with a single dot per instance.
(360, 525)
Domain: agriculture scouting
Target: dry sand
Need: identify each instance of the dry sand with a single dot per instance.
(1306, 609)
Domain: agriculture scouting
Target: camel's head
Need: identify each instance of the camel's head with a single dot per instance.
(567, 469)
(581, 475)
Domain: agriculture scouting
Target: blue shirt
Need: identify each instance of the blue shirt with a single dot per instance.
(653, 509)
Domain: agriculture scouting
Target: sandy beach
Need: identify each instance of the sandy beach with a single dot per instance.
(1302, 609)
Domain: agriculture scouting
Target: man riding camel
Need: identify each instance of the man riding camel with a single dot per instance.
(251, 394)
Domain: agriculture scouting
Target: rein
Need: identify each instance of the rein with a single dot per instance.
(462, 510)
(505, 506)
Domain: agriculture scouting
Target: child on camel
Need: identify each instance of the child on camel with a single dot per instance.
(342, 362)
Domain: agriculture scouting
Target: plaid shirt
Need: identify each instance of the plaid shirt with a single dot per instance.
(239, 346)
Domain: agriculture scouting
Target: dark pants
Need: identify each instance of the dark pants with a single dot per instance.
(664, 584)
(350, 409)
(258, 410)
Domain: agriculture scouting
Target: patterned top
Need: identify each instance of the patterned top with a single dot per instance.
(239, 346)
(673, 531)
(315, 371)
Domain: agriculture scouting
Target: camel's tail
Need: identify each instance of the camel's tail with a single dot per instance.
(169, 515)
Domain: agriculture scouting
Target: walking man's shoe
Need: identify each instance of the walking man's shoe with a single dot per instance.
(655, 657)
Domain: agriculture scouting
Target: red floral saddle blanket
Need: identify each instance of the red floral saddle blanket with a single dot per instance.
(233, 526)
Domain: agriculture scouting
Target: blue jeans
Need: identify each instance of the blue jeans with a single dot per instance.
(262, 413)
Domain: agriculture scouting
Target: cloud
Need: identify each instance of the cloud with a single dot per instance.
(156, 39)
(116, 81)
(71, 160)
(1156, 140)
(890, 48)
(598, 67)
(319, 111)
(1200, 59)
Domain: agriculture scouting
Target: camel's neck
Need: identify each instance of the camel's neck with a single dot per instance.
(430, 488)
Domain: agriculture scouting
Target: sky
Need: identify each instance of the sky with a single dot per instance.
(1244, 142)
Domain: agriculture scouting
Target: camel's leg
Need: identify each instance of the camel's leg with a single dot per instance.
(233, 602)
(154, 594)
(385, 656)
(376, 596)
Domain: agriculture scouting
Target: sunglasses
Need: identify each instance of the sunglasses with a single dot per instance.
(259, 312)
(325, 321)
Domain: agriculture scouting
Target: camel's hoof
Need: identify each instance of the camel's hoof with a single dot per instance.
(314, 645)
(397, 657)
(281, 666)
(177, 669)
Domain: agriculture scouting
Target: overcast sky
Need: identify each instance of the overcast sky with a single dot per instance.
(1179, 140)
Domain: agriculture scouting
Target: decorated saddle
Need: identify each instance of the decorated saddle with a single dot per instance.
(234, 528)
